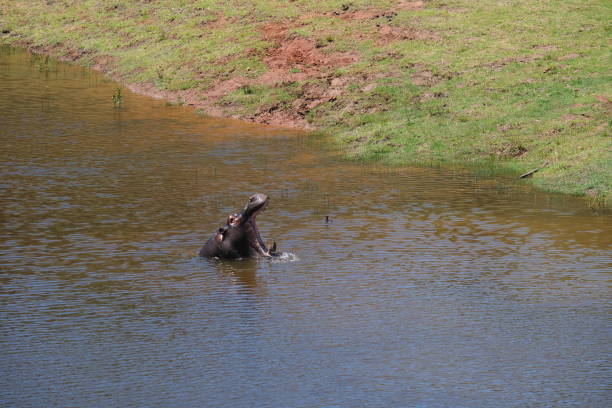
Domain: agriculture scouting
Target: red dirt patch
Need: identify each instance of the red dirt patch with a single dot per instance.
(301, 53)
(298, 52)
(225, 87)
(292, 59)
(385, 33)
(605, 102)
(220, 22)
(424, 78)
(372, 13)
(388, 33)
(274, 115)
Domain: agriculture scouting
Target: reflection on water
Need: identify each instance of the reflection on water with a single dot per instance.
(431, 288)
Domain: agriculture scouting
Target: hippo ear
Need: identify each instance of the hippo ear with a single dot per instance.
(220, 235)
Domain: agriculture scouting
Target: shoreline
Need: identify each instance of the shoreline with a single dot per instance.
(183, 98)
(362, 76)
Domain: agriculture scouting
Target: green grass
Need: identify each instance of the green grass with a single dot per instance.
(518, 83)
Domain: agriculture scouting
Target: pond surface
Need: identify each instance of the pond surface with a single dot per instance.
(430, 288)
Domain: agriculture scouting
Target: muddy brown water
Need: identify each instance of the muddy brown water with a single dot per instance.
(430, 288)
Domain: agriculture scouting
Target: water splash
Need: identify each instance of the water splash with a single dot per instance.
(286, 257)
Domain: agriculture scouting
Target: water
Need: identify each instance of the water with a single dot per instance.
(430, 288)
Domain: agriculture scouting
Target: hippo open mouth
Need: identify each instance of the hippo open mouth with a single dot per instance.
(256, 205)
(240, 237)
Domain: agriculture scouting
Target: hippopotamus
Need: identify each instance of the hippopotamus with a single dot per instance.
(239, 237)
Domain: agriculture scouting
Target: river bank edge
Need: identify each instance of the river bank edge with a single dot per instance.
(492, 168)
(365, 141)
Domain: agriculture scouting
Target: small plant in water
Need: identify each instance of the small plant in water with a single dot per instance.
(118, 98)
(42, 62)
(596, 201)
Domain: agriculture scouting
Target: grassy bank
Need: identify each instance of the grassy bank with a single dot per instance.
(524, 84)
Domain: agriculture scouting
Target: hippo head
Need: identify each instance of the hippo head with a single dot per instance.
(256, 204)
(240, 237)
